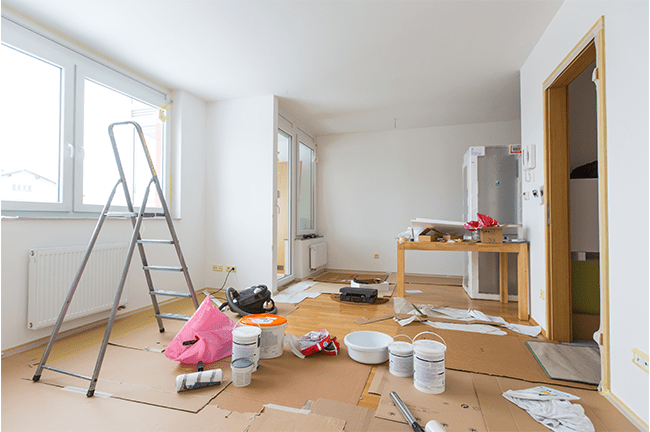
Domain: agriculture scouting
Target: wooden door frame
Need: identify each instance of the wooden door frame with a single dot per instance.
(556, 177)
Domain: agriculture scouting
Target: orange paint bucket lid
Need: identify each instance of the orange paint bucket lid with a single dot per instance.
(263, 320)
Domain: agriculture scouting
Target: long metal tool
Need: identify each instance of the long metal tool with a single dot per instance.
(136, 241)
(405, 412)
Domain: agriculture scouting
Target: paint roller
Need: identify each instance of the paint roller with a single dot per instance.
(199, 379)
(431, 426)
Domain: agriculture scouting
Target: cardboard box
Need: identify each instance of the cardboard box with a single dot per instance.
(492, 235)
(429, 235)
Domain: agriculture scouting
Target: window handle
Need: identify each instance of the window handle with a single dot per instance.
(71, 149)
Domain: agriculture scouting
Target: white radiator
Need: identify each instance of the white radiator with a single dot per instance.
(52, 271)
(317, 255)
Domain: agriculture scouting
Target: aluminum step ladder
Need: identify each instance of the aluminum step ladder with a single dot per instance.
(136, 218)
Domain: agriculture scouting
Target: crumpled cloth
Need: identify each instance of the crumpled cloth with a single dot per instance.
(404, 307)
(552, 408)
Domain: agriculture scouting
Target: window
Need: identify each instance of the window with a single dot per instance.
(306, 183)
(58, 102)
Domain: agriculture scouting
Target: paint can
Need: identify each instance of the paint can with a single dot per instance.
(241, 369)
(246, 343)
(429, 364)
(400, 357)
(272, 338)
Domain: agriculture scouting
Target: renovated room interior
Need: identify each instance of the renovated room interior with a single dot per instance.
(387, 96)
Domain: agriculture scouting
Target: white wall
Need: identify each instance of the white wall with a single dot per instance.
(19, 236)
(371, 185)
(626, 52)
(241, 180)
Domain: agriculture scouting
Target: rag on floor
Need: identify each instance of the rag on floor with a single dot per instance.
(552, 408)
(403, 307)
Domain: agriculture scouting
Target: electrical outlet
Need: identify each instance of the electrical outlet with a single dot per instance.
(640, 359)
(217, 268)
(232, 269)
(376, 256)
(541, 294)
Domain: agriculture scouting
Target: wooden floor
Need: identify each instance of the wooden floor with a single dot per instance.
(323, 312)
(339, 318)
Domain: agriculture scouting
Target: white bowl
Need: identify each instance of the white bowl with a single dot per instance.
(368, 347)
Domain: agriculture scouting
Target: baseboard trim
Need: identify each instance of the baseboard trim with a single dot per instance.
(626, 411)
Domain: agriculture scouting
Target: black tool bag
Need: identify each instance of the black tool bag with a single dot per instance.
(358, 295)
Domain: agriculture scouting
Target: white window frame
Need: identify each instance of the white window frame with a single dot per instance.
(77, 65)
(303, 138)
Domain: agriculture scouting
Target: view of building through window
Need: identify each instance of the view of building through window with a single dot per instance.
(31, 118)
(32, 155)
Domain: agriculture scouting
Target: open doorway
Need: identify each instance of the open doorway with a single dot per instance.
(583, 198)
(586, 58)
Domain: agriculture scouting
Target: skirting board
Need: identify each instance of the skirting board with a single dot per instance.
(626, 411)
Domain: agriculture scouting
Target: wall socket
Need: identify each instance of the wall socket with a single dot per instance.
(640, 359)
(232, 269)
(376, 256)
(217, 268)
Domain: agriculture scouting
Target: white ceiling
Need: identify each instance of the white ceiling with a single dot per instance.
(337, 66)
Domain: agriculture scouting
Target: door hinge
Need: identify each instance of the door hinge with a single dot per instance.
(548, 214)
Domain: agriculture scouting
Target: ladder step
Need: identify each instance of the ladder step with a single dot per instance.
(156, 241)
(164, 268)
(173, 316)
(121, 214)
(67, 372)
(171, 293)
(133, 214)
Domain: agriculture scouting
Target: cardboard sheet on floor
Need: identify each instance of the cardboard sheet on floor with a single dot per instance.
(278, 420)
(357, 419)
(290, 381)
(137, 375)
(457, 409)
(500, 355)
(150, 338)
(485, 393)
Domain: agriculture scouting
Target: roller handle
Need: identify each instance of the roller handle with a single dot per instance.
(405, 412)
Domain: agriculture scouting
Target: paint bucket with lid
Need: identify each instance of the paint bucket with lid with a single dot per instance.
(246, 343)
(400, 357)
(429, 364)
(272, 337)
(242, 369)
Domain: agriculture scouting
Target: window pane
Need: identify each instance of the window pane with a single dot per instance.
(30, 132)
(305, 188)
(102, 107)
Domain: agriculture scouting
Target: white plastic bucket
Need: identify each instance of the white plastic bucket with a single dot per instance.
(246, 343)
(242, 369)
(272, 337)
(429, 364)
(400, 358)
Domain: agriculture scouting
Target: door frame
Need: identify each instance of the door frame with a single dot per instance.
(556, 177)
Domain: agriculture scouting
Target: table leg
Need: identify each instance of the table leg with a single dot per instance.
(522, 282)
(400, 271)
(503, 277)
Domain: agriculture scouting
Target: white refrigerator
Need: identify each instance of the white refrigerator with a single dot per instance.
(492, 186)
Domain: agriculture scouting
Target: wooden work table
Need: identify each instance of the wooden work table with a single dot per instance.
(520, 248)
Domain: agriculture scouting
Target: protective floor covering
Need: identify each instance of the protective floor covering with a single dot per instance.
(567, 362)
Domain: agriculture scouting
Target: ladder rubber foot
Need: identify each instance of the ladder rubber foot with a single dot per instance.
(162, 330)
(90, 393)
(36, 378)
